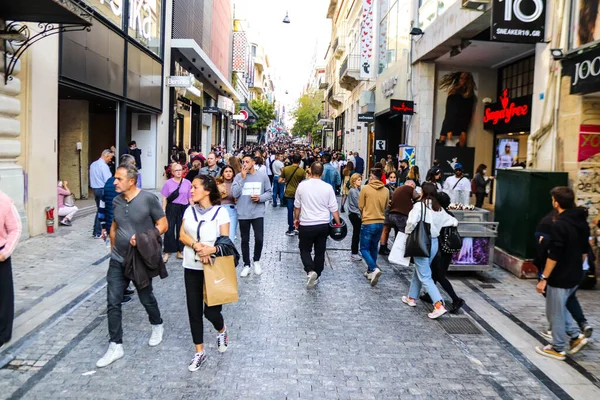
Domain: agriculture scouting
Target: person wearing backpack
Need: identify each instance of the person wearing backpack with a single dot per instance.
(479, 185)
(458, 186)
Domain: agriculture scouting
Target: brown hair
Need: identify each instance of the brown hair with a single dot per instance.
(480, 169)
(564, 196)
(450, 82)
(588, 11)
(348, 168)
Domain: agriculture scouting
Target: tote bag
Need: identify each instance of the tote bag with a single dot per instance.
(418, 243)
(397, 253)
(220, 282)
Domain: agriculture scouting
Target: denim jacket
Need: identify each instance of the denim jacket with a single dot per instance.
(331, 176)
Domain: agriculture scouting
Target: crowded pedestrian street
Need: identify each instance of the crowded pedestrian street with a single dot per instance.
(344, 339)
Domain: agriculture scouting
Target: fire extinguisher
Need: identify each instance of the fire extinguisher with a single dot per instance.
(50, 219)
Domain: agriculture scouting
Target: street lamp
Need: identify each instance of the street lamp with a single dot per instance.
(286, 20)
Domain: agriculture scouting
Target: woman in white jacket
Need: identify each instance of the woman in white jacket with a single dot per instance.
(437, 218)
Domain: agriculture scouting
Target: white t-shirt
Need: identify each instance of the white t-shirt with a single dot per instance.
(209, 231)
(460, 193)
(316, 201)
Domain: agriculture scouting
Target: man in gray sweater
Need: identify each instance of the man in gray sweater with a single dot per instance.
(252, 189)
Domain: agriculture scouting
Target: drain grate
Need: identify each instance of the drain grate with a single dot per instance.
(487, 286)
(459, 326)
(487, 279)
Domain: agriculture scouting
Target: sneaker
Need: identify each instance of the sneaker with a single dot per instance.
(245, 271)
(374, 276)
(546, 335)
(577, 344)
(290, 233)
(257, 268)
(426, 298)
(296, 232)
(549, 351)
(97, 236)
(410, 301)
(355, 257)
(157, 335)
(457, 305)
(312, 278)
(114, 352)
(197, 361)
(65, 222)
(587, 330)
(438, 311)
(222, 341)
(383, 250)
(126, 299)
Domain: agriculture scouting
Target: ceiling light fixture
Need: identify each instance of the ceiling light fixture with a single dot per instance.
(416, 32)
(286, 19)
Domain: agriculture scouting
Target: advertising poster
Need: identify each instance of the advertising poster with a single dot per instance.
(589, 142)
(448, 157)
(474, 251)
(507, 151)
(366, 40)
(406, 153)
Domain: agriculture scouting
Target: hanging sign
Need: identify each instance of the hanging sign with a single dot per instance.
(380, 145)
(366, 117)
(508, 115)
(184, 81)
(589, 142)
(584, 69)
(366, 40)
(518, 21)
(402, 107)
(406, 152)
(210, 110)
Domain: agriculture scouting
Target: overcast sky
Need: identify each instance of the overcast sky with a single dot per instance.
(290, 47)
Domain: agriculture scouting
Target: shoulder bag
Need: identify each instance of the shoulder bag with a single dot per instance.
(450, 240)
(418, 243)
(457, 182)
(171, 198)
(288, 180)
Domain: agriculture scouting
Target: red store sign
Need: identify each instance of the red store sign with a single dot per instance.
(508, 115)
(402, 107)
(589, 142)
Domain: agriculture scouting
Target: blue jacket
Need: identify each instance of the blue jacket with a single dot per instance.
(331, 176)
(105, 211)
(359, 165)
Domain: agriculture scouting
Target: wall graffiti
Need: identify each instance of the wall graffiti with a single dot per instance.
(588, 181)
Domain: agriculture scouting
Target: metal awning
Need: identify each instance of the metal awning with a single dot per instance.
(45, 11)
(203, 65)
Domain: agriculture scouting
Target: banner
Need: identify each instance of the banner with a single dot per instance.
(366, 40)
(589, 142)
(406, 153)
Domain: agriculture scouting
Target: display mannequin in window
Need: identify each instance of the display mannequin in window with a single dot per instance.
(459, 106)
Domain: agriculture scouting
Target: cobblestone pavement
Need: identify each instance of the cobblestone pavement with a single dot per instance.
(341, 340)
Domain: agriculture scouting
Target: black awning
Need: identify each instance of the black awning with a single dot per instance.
(46, 11)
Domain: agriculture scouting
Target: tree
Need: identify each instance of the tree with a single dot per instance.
(266, 114)
(306, 114)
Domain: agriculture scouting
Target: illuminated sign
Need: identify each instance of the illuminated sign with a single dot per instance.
(508, 115)
(402, 107)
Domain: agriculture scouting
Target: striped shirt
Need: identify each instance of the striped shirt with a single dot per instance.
(10, 225)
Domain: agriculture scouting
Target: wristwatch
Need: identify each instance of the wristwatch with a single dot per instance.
(542, 277)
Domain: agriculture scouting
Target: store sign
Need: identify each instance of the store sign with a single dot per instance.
(210, 110)
(366, 39)
(589, 142)
(584, 70)
(319, 131)
(380, 145)
(402, 107)
(387, 87)
(366, 117)
(226, 104)
(518, 21)
(179, 81)
(508, 115)
(140, 14)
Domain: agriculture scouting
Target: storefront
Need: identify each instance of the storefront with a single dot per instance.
(390, 128)
(110, 89)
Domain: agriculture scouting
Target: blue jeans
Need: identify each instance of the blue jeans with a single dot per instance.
(560, 318)
(422, 275)
(98, 193)
(369, 244)
(278, 190)
(290, 207)
(233, 220)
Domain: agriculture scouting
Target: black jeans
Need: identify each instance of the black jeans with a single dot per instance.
(356, 222)
(7, 301)
(479, 198)
(98, 193)
(174, 214)
(194, 293)
(439, 268)
(258, 226)
(309, 236)
(115, 291)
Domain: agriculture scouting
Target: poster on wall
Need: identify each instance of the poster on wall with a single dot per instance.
(589, 143)
(384, 6)
(518, 21)
(406, 153)
(448, 157)
(585, 23)
(507, 152)
(366, 40)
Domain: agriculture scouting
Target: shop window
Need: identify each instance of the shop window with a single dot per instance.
(517, 78)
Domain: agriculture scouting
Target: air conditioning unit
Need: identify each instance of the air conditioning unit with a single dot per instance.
(480, 5)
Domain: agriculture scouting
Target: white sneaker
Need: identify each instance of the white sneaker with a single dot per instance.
(157, 335)
(257, 268)
(547, 335)
(245, 271)
(223, 341)
(374, 276)
(114, 352)
(355, 257)
(437, 312)
(409, 301)
(312, 279)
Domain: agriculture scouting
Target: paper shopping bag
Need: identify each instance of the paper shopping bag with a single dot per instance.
(220, 282)
(397, 253)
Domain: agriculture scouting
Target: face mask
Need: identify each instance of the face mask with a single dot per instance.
(60, 184)
(484, 171)
(131, 148)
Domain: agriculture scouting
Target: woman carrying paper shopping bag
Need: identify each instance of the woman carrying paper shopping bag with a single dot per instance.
(203, 223)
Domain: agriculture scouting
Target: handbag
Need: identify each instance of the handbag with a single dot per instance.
(69, 200)
(418, 243)
(398, 249)
(171, 198)
(220, 282)
(450, 240)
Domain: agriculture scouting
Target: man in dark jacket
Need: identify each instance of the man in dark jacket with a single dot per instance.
(359, 164)
(563, 272)
(403, 172)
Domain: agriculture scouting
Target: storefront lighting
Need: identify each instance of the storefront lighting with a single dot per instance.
(286, 19)
(416, 32)
(557, 54)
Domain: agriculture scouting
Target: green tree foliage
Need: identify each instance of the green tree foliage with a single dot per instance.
(307, 114)
(265, 112)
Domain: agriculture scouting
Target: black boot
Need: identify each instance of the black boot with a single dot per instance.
(383, 250)
(456, 305)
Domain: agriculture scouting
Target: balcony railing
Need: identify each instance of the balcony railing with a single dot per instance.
(350, 64)
(431, 9)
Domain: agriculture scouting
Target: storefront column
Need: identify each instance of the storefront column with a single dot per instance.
(421, 133)
(121, 140)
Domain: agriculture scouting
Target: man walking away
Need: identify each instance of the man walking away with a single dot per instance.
(251, 189)
(563, 272)
(372, 201)
(278, 187)
(359, 164)
(135, 211)
(315, 201)
(99, 174)
(330, 174)
(292, 175)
